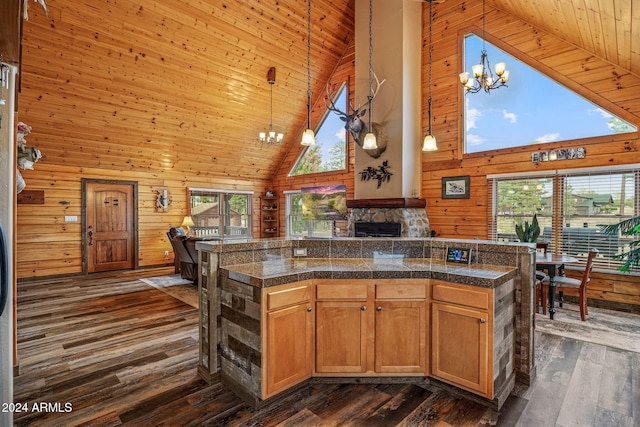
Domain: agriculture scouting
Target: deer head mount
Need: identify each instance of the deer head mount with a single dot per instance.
(355, 125)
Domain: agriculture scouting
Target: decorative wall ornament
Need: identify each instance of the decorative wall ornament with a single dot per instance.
(381, 173)
(559, 154)
(26, 156)
(163, 200)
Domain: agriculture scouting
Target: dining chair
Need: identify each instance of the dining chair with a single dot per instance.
(569, 284)
(541, 277)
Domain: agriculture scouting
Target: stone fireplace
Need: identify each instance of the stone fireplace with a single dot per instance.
(408, 212)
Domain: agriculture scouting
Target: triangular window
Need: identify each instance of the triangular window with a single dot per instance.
(533, 109)
(329, 152)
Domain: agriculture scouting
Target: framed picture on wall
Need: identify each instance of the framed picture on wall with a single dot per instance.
(455, 187)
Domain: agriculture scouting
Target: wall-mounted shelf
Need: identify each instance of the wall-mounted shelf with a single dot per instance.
(269, 216)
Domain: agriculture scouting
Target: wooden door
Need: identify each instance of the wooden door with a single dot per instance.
(401, 336)
(109, 230)
(289, 343)
(460, 347)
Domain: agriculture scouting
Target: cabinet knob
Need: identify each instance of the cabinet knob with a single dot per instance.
(483, 320)
(379, 308)
(309, 309)
(363, 308)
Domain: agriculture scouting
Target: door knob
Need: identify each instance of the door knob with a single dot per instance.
(363, 308)
(379, 308)
(309, 309)
(483, 320)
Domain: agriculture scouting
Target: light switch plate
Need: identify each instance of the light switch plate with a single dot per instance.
(300, 252)
(70, 218)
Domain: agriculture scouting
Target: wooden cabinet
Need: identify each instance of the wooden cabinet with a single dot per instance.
(364, 327)
(462, 336)
(288, 339)
(269, 216)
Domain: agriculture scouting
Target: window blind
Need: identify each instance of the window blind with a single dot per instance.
(571, 206)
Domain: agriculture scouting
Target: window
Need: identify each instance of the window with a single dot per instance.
(316, 211)
(329, 153)
(533, 109)
(581, 201)
(220, 213)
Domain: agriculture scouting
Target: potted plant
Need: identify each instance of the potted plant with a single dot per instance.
(628, 227)
(528, 232)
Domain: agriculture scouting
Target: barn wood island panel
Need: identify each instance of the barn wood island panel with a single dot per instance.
(275, 313)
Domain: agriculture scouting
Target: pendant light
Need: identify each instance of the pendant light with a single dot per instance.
(429, 143)
(370, 142)
(308, 137)
(271, 137)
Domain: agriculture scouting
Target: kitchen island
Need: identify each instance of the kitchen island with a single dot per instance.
(277, 312)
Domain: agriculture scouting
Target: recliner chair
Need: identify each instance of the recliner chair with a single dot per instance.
(184, 250)
(173, 232)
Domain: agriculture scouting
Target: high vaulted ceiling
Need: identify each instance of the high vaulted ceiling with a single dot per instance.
(609, 29)
(147, 68)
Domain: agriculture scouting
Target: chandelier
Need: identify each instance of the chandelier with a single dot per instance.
(308, 137)
(483, 78)
(271, 137)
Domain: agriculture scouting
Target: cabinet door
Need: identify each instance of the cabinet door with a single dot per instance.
(289, 343)
(341, 336)
(460, 348)
(401, 336)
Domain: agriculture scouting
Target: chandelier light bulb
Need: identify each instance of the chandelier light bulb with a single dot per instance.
(469, 85)
(500, 68)
(504, 77)
(477, 70)
(464, 78)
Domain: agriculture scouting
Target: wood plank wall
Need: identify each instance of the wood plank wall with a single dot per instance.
(595, 79)
(49, 246)
(168, 94)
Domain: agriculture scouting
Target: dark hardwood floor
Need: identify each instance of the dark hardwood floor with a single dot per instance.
(111, 350)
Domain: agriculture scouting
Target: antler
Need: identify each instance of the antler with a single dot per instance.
(332, 105)
(372, 93)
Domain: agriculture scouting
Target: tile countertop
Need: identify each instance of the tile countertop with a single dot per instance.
(281, 271)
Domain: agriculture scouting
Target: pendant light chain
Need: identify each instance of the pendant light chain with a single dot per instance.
(370, 59)
(430, 59)
(271, 107)
(309, 65)
(429, 142)
(308, 136)
(484, 46)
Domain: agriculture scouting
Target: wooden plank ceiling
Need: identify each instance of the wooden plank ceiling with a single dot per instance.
(200, 66)
(609, 29)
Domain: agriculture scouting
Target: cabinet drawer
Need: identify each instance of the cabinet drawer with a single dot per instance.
(462, 294)
(342, 291)
(401, 291)
(283, 298)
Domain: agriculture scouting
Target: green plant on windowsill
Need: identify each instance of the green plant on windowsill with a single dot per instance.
(628, 227)
(528, 232)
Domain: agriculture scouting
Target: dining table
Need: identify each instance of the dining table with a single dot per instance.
(552, 263)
